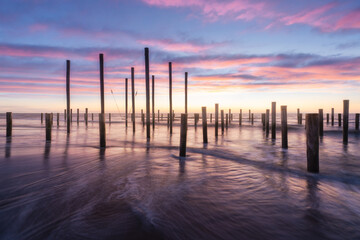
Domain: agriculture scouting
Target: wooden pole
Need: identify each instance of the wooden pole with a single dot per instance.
(357, 117)
(65, 115)
(227, 121)
(133, 97)
(216, 119)
(87, 116)
(147, 80)
(8, 124)
(126, 102)
(211, 117)
(158, 115)
(267, 118)
(284, 128)
(273, 120)
(249, 115)
(300, 118)
(52, 118)
(229, 116)
(204, 123)
(321, 122)
(183, 135)
(339, 119)
(153, 101)
(240, 117)
(142, 117)
(222, 121)
(109, 118)
(332, 116)
(57, 119)
(186, 87)
(48, 126)
(102, 114)
(252, 119)
(312, 142)
(68, 96)
(77, 116)
(298, 115)
(263, 120)
(42, 116)
(170, 95)
(327, 118)
(92, 117)
(71, 115)
(168, 120)
(346, 121)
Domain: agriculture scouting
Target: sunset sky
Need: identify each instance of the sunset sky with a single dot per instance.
(239, 53)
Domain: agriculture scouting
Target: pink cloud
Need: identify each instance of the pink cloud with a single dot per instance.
(349, 21)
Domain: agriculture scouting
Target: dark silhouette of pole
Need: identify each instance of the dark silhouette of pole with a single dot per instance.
(186, 87)
(87, 116)
(332, 116)
(133, 97)
(273, 120)
(77, 116)
(216, 119)
(357, 118)
(42, 116)
(298, 115)
(346, 121)
(8, 124)
(102, 114)
(321, 122)
(183, 135)
(153, 101)
(312, 142)
(48, 126)
(339, 119)
(284, 128)
(126, 102)
(327, 118)
(204, 123)
(267, 118)
(65, 115)
(240, 117)
(57, 119)
(170, 95)
(222, 122)
(68, 96)
(147, 80)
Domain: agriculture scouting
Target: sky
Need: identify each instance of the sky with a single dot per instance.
(238, 53)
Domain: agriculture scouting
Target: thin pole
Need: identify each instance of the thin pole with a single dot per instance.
(240, 117)
(8, 124)
(183, 135)
(267, 117)
(133, 97)
(332, 116)
(216, 119)
(170, 95)
(321, 122)
(284, 129)
(153, 101)
(147, 80)
(273, 120)
(346, 121)
(204, 123)
(102, 114)
(126, 102)
(77, 116)
(312, 142)
(222, 121)
(186, 88)
(48, 127)
(68, 96)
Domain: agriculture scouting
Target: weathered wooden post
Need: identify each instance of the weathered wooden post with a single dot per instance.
(216, 119)
(312, 142)
(204, 123)
(249, 115)
(170, 95)
(263, 120)
(196, 119)
(168, 120)
(109, 118)
(300, 118)
(346, 121)
(71, 115)
(222, 122)
(240, 117)
(284, 128)
(77, 116)
(102, 114)
(57, 119)
(298, 115)
(142, 117)
(68, 120)
(252, 119)
(52, 118)
(327, 118)
(126, 102)
(162, 115)
(87, 116)
(42, 116)
(332, 116)
(339, 119)
(357, 118)
(229, 116)
(133, 97)
(321, 122)
(158, 115)
(183, 135)
(226, 120)
(273, 120)
(186, 88)
(48, 126)
(211, 117)
(267, 119)
(147, 81)
(92, 117)
(65, 115)
(8, 124)
(153, 101)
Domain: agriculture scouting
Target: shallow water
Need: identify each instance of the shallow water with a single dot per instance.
(241, 185)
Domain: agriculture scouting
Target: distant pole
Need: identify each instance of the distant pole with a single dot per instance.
(102, 114)
(48, 127)
(298, 115)
(8, 124)
(126, 102)
(284, 128)
(312, 142)
(339, 119)
(42, 116)
(68, 96)
(65, 115)
(153, 101)
(109, 118)
(249, 115)
(183, 135)
(211, 117)
(263, 120)
(92, 117)
(273, 120)
(240, 117)
(252, 119)
(186, 86)
(327, 118)
(87, 116)
(57, 119)
(346, 121)
(300, 118)
(77, 116)
(229, 116)
(147, 80)
(133, 97)
(71, 115)
(267, 118)
(357, 118)
(204, 123)
(142, 117)
(216, 119)
(226, 120)
(170, 95)
(222, 121)
(158, 115)
(321, 122)
(332, 116)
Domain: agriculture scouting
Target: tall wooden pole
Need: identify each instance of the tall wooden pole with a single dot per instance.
(216, 119)
(102, 114)
(321, 122)
(170, 95)
(273, 120)
(126, 102)
(222, 122)
(87, 116)
(147, 79)
(68, 96)
(332, 116)
(133, 97)
(267, 117)
(240, 117)
(153, 101)
(346, 121)
(77, 116)
(204, 123)
(284, 129)
(186, 87)
(8, 124)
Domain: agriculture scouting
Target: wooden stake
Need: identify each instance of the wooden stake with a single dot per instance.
(77, 116)
(153, 101)
(186, 88)
(57, 119)
(87, 116)
(183, 135)
(332, 116)
(273, 120)
(284, 128)
(357, 117)
(133, 97)
(216, 119)
(339, 119)
(48, 126)
(170, 95)
(321, 122)
(68, 120)
(252, 119)
(42, 116)
(126, 102)
(102, 130)
(204, 123)
(102, 114)
(227, 121)
(222, 122)
(312, 142)
(8, 124)
(267, 118)
(346, 121)
(147, 81)
(240, 117)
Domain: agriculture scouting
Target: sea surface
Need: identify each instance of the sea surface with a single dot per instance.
(241, 185)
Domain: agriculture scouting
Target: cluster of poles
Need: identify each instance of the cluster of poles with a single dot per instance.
(313, 121)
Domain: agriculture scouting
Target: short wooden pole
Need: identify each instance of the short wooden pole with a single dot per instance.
(284, 128)
(204, 123)
(222, 122)
(327, 118)
(168, 120)
(332, 116)
(92, 117)
(273, 120)
(346, 121)
(77, 116)
(357, 118)
(300, 118)
(321, 122)
(263, 120)
(216, 119)
(87, 116)
(298, 115)
(133, 97)
(158, 115)
(267, 119)
(71, 114)
(57, 119)
(162, 116)
(226, 120)
(183, 135)
(249, 115)
(312, 142)
(8, 124)
(196, 118)
(65, 115)
(48, 127)
(52, 119)
(42, 116)
(211, 117)
(240, 117)
(109, 118)
(126, 102)
(102, 130)
(339, 119)
(229, 116)
(252, 119)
